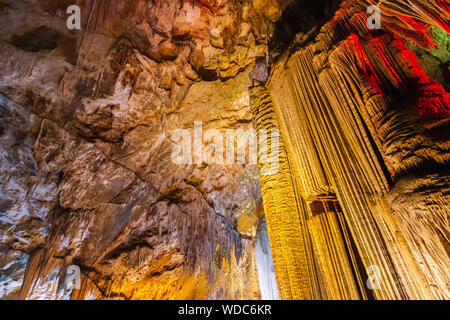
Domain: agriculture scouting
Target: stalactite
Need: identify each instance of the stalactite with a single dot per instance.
(331, 250)
(291, 246)
(353, 132)
(356, 208)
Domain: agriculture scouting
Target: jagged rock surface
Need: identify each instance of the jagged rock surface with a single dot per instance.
(86, 120)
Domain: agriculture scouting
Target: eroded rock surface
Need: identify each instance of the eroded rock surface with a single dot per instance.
(87, 176)
(86, 123)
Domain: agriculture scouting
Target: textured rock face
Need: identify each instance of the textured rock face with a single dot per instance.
(87, 178)
(364, 157)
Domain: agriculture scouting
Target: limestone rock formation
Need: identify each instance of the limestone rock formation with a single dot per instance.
(87, 177)
(359, 121)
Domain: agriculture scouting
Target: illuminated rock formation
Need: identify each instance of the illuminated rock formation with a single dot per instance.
(356, 208)
(367, 177)
(87, 177)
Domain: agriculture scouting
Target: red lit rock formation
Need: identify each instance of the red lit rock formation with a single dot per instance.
(87, 179)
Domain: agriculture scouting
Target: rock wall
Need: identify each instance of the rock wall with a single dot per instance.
(364, 160)
(87, 177)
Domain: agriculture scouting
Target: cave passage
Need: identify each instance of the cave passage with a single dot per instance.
(116, 118)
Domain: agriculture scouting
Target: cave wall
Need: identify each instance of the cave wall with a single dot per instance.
(86, 122)
(364, 158)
